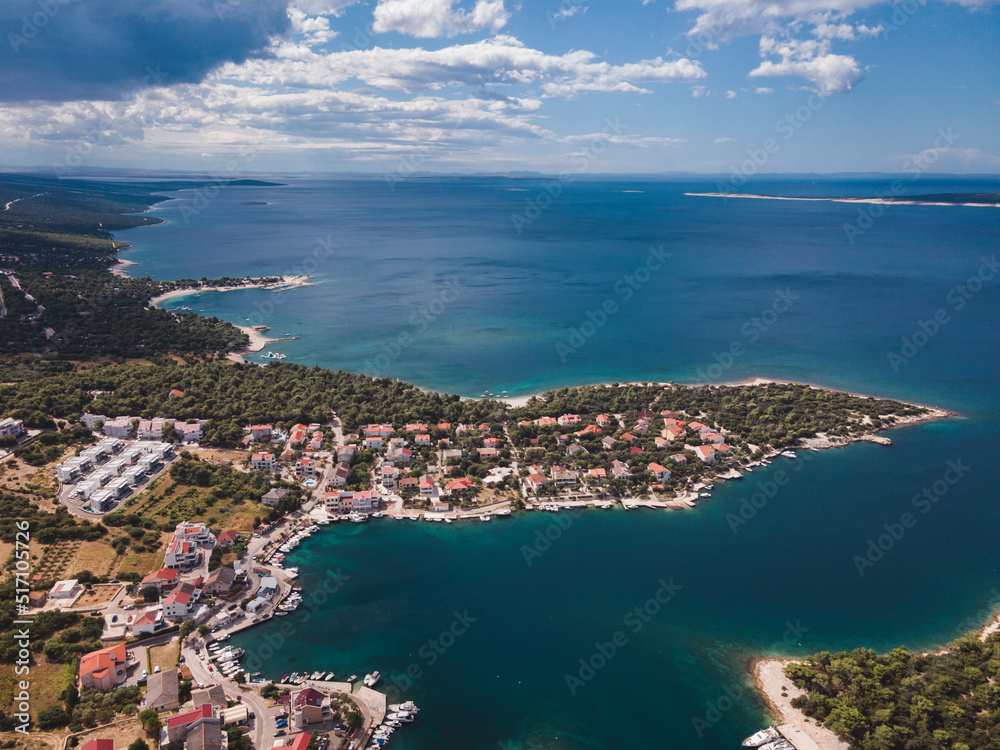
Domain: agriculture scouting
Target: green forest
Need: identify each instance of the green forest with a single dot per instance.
(901, 701)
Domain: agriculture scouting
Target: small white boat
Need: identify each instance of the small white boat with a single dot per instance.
(762, 737)
(449, 520)
(788, 454)
(486, 518)
(704, 494)
(372, 679)
(378, 514)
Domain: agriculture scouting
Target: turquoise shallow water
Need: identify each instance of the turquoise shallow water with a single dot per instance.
(785, 582)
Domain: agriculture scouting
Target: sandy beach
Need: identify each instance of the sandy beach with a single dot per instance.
(257, 342)
(779, 690)
(121, 267)
(287, 282)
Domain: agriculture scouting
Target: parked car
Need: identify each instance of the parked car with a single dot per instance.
(280, 733)
(156, 669)
(128, 607)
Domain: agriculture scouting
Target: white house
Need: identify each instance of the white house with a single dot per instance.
(120, 427)
(65, 589)
(196, 533)
(706, 453)
(178, 604)
(262, 462)
(11, 427)
(662, 474)
(102, 501)
(180, 555)
(90, 420)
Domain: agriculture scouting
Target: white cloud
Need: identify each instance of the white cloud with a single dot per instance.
(568, 12)
(724, 20)
(322, 7)
(499, 61)
(731, 94)
(763, 90)
(700, 92)
(721, 21)
(315, 30)
(724, 140)
(437, 18)
(810, 59)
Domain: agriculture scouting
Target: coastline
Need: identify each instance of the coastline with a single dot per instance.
(257, 342)
(931, 412)
(879, 201)
(778, 691)
(287, 282)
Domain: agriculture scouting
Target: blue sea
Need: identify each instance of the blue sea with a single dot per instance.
(469, 284)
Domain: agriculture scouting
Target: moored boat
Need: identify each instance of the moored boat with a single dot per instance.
(763, 737)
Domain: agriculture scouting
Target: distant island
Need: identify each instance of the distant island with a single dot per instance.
(254, 203)
(936, 199)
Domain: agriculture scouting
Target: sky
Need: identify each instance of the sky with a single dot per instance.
(557, 86)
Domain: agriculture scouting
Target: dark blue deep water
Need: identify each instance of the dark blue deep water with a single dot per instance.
(482, 299)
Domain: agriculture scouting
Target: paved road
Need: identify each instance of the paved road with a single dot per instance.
(261, 727)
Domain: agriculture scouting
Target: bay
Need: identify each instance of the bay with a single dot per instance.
(745, 584)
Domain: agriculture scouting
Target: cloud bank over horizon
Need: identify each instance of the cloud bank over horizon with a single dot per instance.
(465, 82)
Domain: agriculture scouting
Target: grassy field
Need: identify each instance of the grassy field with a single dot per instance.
(95, 556)
(40, 481)
(99, 595)
(173, 503)
(123, 732)
(143, 562)
(165, 656)
(47, 683)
